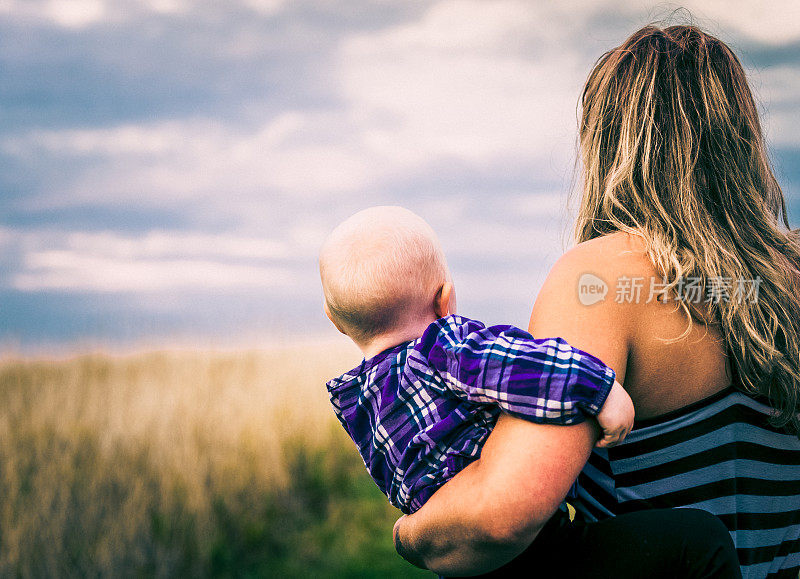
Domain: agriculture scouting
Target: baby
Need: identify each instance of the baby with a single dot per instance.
(432, 383)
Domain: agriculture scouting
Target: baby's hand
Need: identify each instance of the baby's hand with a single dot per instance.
(616, 417)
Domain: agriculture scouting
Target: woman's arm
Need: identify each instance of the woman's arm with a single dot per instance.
(492, 510)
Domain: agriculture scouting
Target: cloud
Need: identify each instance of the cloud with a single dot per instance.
(405, 98)
(161, 244)
(80, 14)
(268, 7)
(128, 139)
(68, 270)
(295, 153)
(779, 91)
(502, 243)
(777, 22)
(455, 85)
(156, 262)
(71, 14)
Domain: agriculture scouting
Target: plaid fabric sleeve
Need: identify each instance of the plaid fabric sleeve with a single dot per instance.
(542, 380)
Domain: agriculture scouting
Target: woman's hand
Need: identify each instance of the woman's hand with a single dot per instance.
(493, 509)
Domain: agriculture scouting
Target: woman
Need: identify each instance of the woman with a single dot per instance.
(679, 201)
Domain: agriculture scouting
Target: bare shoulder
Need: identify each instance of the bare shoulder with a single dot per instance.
(602, 297)
(601, 277)
(615, 254)
(580, 299)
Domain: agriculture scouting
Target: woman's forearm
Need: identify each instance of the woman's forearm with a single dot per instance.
(452, 535)
(493, 509)
(452, 551)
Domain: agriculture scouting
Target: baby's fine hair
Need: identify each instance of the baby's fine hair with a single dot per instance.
(381, 268)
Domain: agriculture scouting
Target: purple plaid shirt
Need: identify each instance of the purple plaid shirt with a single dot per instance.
(420, 411)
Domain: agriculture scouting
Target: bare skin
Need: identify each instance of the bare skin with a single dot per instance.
(467, 527)
(630, 337)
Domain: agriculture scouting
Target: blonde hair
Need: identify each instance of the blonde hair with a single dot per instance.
(380, 269)
(672, 151)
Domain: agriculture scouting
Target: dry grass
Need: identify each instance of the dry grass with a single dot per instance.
(185, 464)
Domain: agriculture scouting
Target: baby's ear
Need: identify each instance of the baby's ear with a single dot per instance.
(444, 300)
(327, 311)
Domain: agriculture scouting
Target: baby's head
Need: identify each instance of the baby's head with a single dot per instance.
(384, 276)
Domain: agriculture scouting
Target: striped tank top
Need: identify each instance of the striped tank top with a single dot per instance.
(719, 454)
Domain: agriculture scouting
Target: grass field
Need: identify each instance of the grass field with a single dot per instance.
(186, 464)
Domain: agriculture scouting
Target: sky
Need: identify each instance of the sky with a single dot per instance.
(169, 168)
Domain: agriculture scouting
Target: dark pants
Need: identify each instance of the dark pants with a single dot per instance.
(649, 544)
